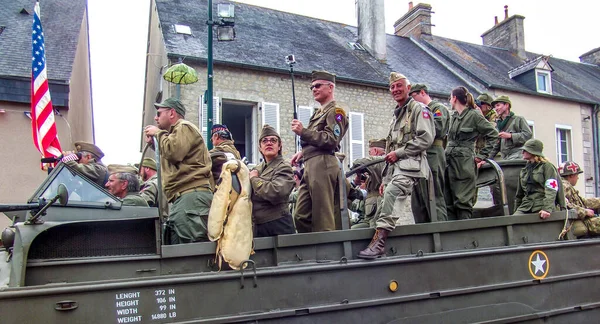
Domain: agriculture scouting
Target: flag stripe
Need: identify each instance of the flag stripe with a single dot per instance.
(45, 136)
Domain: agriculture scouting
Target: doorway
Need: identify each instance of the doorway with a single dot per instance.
(240, 118)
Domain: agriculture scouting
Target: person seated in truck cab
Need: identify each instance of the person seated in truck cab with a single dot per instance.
(124, 183)
(538, 190)
(588, 223)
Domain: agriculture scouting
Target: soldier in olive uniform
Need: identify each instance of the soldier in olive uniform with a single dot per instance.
(484, 101)
(513, 131)
(272, 182)
(411, 133)
(149, 189)
(588, 223)
(86, 160)
(374, 175)
(315, 208)
(466, 125)
(436, 158)
(185, 170)
(123, 183)
(538, 190)
(223, 150)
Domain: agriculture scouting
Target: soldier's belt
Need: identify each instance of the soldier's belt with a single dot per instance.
(179, 194)
(461, 144)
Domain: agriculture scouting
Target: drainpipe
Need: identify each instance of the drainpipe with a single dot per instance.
(596, 147)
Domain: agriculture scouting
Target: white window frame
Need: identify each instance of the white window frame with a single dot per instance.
(304, 122)
(569, 128)
(548, 79)
(352, 141)
(531, 123)
(262, 108)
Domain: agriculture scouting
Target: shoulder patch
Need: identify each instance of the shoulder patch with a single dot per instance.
(339, 111)
(552, 184)
(425, 114)
(337, 130)
(437, 113)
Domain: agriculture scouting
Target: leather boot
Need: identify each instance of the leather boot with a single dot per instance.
(376, 248)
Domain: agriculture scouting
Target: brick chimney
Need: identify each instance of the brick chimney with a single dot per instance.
(371, 27)
(509, 34)
(591, 57)
(416, 22)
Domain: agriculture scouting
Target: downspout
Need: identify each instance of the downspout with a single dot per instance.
(595, 134)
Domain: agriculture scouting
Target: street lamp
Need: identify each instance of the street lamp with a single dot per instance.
(225, 32)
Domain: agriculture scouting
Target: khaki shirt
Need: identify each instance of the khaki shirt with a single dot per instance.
(538, 188)
(184, 159)
(218, 159)
(464, 130)
(324, 132)
(271, 190)
(134, 199)
(95, 171)
(411, 133)
(511, 148)
(149, 191)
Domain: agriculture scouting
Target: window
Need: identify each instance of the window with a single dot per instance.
(202, 122)
(563, 143)
(357, 136)
(304, 114)
(183, 29)
(543, 81)
(531, 126)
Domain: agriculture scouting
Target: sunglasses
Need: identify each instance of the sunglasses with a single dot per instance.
(158, 112)
(317, 85)
(269, 140)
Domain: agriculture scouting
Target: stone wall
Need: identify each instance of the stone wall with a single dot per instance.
(588, 177)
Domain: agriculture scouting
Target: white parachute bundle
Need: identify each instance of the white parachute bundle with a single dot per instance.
(230, 216)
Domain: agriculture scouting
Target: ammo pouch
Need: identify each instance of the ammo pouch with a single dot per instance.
(409, 165)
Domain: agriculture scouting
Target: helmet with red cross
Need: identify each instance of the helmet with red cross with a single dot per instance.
(568, 168)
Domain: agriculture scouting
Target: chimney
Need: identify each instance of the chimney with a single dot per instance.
(509, 34)
(371, 27)
(591, 57)
(416, 22)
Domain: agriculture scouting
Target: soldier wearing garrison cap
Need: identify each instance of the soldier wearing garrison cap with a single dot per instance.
(436, 158)
(185, 171)
(272, 182)
(484, 101)
(513, 130)
(539, 189)
(124, 184)
(316, 208)
(412, 131)
(149, 189)
(587, 223)
(86, 160)
(373, 182)
(223, 149)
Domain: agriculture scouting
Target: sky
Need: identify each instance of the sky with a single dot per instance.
(118, 39)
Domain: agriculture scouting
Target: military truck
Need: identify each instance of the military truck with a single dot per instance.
(77, 255)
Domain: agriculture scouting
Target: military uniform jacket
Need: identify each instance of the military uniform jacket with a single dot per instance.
(184, 159)
(95, 171)
(510, 148)
(491, 116)
(218, 160)
(464, 130)
(149, 190)
(324, 132)
(538, 188)
(575, 201)
(271, 190)
(441, 117)
(134, 199)
(411, 133)
(374, 171)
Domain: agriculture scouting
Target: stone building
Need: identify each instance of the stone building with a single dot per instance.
(65, 27)
(252, 83)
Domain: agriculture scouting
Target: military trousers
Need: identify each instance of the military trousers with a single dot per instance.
(436, 158)
(395, 198)
(316, 209)
(460, 185)
(188, 218)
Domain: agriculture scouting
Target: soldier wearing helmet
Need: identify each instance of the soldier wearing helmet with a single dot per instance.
(587, 224)
(538, 190)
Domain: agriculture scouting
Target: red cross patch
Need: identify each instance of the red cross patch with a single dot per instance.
(552, 184)
(572, 167)
(425, 114)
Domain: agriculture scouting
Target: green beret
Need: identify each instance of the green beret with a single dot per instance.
(395, 76)
(504, 99)
(172, 103)
(149, 163)
(89, 147)
(377, 143)
(485, 98)
(323, 75)
(417, 88)
(121, 168)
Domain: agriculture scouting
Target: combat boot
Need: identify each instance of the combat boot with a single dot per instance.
(376, 248)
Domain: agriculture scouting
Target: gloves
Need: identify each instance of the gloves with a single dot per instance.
(70, 157)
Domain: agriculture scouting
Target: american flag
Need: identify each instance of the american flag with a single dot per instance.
(43, 125)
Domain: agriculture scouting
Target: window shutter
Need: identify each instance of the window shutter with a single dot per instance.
(304, 114)
(202, 115)
(357, 137)
(270, 115)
